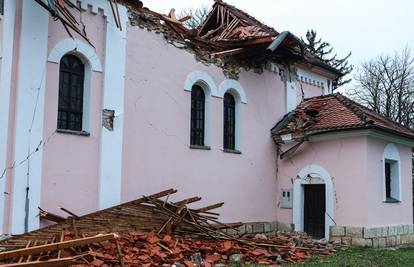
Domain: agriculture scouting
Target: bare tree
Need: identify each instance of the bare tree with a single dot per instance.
(198, 16)
(386, 85)
(324, 50)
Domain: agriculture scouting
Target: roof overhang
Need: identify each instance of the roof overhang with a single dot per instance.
(334, 134)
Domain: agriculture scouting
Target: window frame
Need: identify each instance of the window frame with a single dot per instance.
(78, 109)
(391, 173)
(198, 117)
(229, 122)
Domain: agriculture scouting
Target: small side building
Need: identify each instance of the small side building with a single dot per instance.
(345, 173)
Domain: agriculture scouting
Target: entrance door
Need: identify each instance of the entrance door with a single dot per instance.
(314, 210)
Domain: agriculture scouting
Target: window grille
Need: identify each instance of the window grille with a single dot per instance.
(71, 87)
(197, 115)
(229, 122)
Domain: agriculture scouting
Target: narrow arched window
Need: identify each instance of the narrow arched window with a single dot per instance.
(198, 99)
(71, 87)
(229, 141)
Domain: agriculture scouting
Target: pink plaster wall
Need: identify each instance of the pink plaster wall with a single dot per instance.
(156, 134)
(381, 213)
(355, 163)
(345, 160)
(71, 162)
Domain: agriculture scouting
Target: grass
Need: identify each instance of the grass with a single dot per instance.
(354, 257)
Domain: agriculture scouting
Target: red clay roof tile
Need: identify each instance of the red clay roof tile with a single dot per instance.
(335, 112)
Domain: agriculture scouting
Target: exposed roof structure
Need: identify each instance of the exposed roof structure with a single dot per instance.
(335, 112)
(229, 37)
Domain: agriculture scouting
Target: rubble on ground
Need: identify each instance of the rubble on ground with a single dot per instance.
(152, 231)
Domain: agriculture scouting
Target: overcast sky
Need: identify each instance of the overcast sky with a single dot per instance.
(365, 27)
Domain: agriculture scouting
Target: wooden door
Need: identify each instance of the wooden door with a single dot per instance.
(314, 210)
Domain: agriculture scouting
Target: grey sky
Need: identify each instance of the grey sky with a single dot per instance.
(365, 27)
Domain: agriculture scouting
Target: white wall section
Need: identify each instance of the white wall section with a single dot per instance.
(291, 102)
(113, 99)
(29, 116)
(5, 87)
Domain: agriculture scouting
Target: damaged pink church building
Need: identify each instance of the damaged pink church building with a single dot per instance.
(131, 102)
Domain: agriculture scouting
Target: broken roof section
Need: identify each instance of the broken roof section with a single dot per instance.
(226, 23)
(229, 37)
(325, 114)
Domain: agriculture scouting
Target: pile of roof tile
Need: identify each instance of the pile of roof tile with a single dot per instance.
(152, 231)
(150, 249)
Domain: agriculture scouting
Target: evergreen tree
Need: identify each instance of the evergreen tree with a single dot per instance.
(324, 50)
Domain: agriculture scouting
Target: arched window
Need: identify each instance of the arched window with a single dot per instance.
(229, 134)
(71, 87)
(198, 99)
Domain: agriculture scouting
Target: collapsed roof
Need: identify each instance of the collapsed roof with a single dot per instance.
(229, 37)
(325, 114)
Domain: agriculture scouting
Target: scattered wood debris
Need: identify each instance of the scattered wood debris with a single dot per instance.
(178, 235)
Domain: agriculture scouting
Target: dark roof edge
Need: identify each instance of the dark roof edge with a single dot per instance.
(356, 128)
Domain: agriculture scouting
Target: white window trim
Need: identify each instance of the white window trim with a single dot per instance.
(76, 47)
(391, 153)
(203, 80)
(92, 64)
(321, 177)
(235, 87)
(236, 90)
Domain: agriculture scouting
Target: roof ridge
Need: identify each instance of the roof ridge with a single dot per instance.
(366, 109)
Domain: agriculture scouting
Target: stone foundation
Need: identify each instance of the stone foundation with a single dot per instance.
(377, 237)
(261, 228)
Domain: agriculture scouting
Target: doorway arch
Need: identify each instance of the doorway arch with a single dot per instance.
(312, 174)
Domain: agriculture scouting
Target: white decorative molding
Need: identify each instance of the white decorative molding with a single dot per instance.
(318, 176)
(113, 99)
(202, 79)
(76, 47)
(314, 79)
(391, 153)
(234, 87)
(8, 22)
(29, 117)
(291, 98)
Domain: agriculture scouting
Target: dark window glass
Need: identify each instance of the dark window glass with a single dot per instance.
(197, 115)
(229, 122)
(387, 180)
(71, 80)
(1, 7)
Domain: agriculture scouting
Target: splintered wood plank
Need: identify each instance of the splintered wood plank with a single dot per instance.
(211, 207)
(187, 201)
(55, 246)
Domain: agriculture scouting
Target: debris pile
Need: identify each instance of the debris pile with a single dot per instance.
(190, 237)
(151, 249)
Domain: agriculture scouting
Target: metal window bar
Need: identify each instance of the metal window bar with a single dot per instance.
(197, 116)
(387, 180)
(229, 122)
(71, 89)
